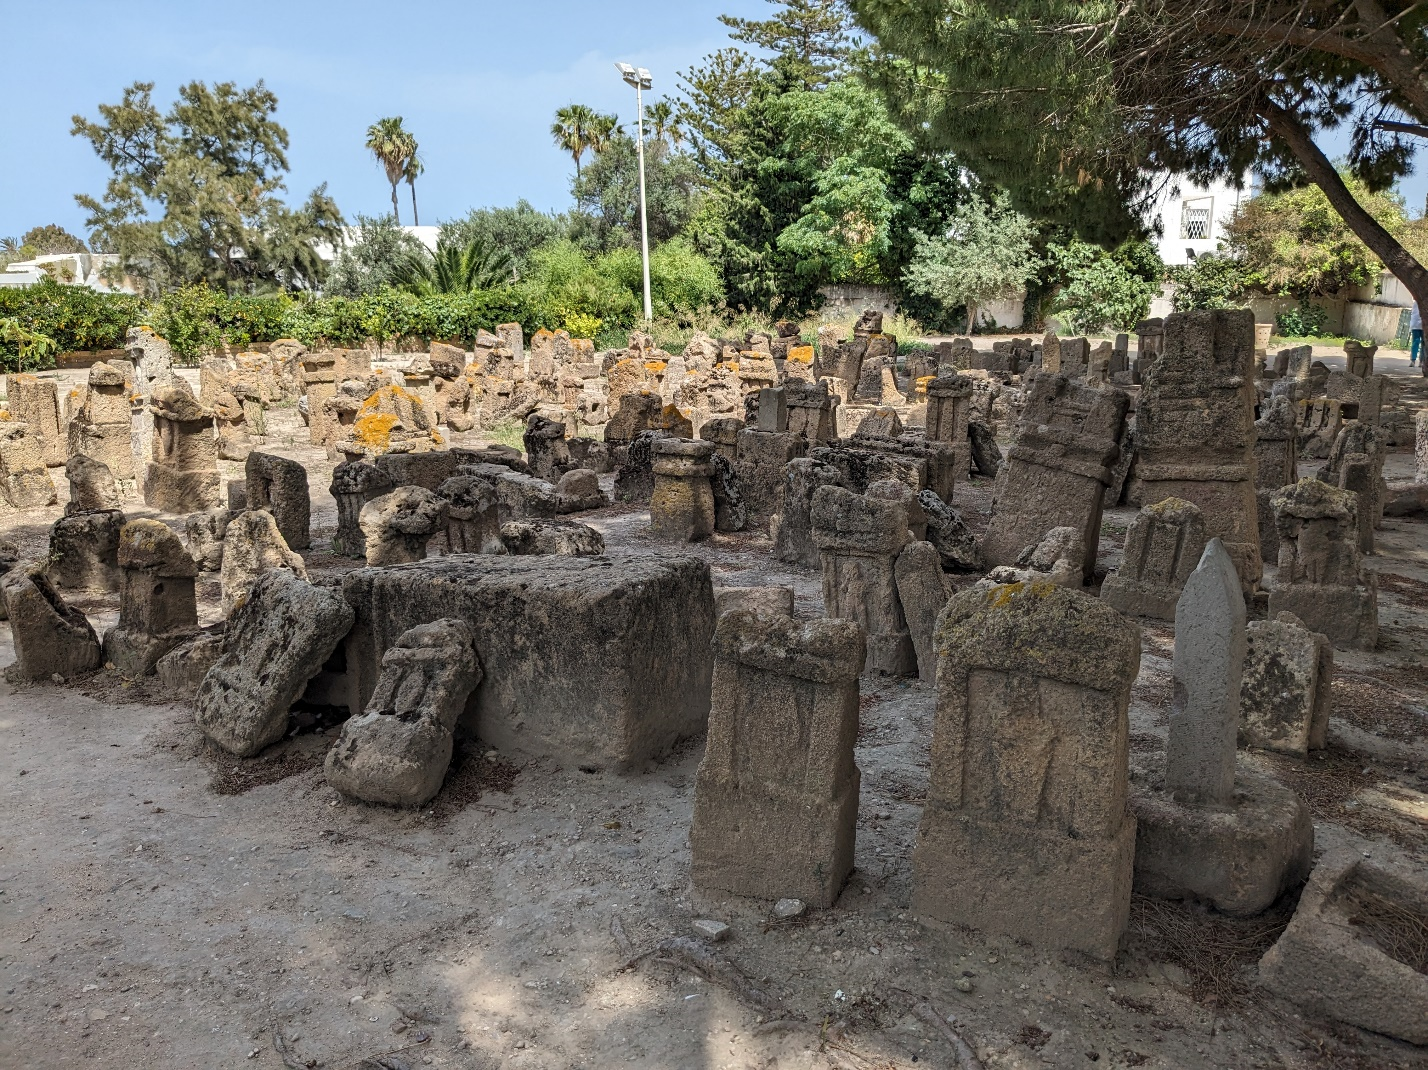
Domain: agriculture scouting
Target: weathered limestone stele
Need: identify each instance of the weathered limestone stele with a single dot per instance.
(776, 800)
(354, 484)
(84, 551)
(592, 660)
(1195, 429)
(158, 608)
(473, 524)
(99, 426)
(91, 486)
(1057, 469)
(1319, 579)
(398, 749)
(1287, 693)
(949, 534)
(1163, 547)
(183, 475)
(551, 537)
(51, 637)
(276, 642)
(279, 486)
(922, 593)
(859, 538)
(682, 501)
(252, 546)
(204, 533)
(398, 525)
(25, 483)
(546, 448)
(1276, 458)
(1328, 960)
(1025, 831)
(35, 402)
(1235, 840)
(1055, 559)
(793, 527)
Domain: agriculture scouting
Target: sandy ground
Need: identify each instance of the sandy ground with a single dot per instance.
(163, 905)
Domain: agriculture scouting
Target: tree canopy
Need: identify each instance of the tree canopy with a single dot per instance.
(1076, 106)
(194, 192)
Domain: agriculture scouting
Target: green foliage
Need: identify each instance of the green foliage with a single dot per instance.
(518, 231)
(373, 261)
(1105, 289)
(985, 254)
(454, 269)
(74, 317)
(811, 38)
(1296, 243)
(1210, 282)
(51, 240)
(29, 348)
(579, 129)
(395, 149)
(194, 194)
(1303, 321)
(607, 194)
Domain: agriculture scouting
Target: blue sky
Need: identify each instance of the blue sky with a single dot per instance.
(477, 82)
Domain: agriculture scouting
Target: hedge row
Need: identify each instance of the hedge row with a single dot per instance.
(196, 319)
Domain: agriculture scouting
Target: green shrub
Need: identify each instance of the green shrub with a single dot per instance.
(1210, 281)
(1305, 321)
(74, 317)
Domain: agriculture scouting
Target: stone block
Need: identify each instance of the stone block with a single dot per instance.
(776, 800)
(922, 592)
(92, 485)
(793, 529)
(84, 551)
(591, 660)
(253, 546)
(761, 601)
(354, 484)
(533, 537)
(1026, 830)
(1163, 547)
(158, 607)
(279, 486)
(1287, 692)
(24, 480)
(473, 524)
(35, 402)
(276, 642)
(51, 637)
(398, 525)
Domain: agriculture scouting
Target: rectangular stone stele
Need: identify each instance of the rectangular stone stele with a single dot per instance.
(1286, 695)
(776, 801)
(1057, 469)
(1195, 431)
(593, 661)
(1026, 830)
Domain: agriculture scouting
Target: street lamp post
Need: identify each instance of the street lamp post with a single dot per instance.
(640, 79)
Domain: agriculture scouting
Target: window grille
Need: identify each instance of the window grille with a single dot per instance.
(1195, 219)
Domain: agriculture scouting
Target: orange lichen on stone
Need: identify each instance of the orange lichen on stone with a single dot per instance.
(802, 354)
(374, 430)
(654, 367)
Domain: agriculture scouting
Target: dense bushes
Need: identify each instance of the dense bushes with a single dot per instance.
(73, 317)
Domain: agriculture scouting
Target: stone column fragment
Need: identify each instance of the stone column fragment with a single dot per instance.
(682, 502)
(776, 800)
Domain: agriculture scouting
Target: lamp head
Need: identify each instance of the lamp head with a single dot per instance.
(637, 77)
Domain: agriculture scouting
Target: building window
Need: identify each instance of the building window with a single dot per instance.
(1195, 218)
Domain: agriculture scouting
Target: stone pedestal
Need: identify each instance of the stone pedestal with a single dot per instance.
(1287, 692)
(759, 464)
(354, 484)
(776, 800)
(1320, 580)
(1163, 547)
(183, 475)
(812, 412)
(682, 502)
(35, 402)
(158, 609)
(859, 538)
(1026, 831)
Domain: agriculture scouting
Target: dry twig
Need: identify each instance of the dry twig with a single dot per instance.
(961, 1050)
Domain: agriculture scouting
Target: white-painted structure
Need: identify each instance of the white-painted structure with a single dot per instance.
(1192, 218)
(426, 235)
(72, 269)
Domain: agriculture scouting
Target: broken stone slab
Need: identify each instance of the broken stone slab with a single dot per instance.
(398, 525)
(204, 534)
(923, 592)
(183, 668)
(1026, 830)
(986, 454)
(277, 640)
(398, 749)
(51, 637)
(793, 527)
(279, 486)
(252, 546)
(1287, 693)
(949, 534)
(579, 491)
(92, 485)
(24, 480)
(1055, 559)
(158, 607)
(591, 660)
(84, 551)
(354, 484)
(569, 537)
(35, 402)
(761, 601)
(473, 523)
(1163, 547)
(776, 800)
(1340, 959)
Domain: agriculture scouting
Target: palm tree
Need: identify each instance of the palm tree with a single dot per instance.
(413, 169)
(455, 269)
(603, 130)
(393, 146)
(573, 130)
(662, 124)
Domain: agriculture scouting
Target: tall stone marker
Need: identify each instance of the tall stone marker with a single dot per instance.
(1320, 579)
(776, 801)
(1026, 830)
(1195, 432)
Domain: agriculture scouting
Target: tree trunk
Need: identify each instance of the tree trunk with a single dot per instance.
(971, 317)
(416, 221)
(397, 215)
(1398, 260)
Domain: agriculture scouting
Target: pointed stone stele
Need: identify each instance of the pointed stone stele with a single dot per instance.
(1209, 832)
(398, 749)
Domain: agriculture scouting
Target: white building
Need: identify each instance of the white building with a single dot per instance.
(72, 269)
(1193, 218)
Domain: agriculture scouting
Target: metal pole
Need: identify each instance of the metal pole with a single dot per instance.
(644, 222)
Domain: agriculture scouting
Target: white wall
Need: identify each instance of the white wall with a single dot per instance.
(1184, 206)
